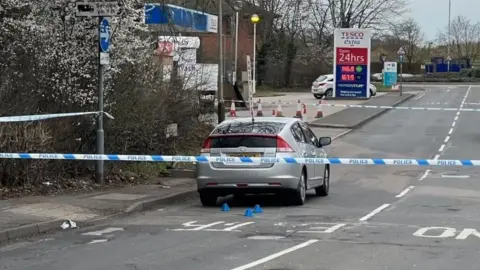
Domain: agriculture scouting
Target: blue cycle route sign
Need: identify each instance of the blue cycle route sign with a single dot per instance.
(104, 35)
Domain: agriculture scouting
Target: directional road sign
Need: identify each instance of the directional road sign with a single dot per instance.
(104, 35)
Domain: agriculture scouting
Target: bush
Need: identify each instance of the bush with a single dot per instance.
(47, 67)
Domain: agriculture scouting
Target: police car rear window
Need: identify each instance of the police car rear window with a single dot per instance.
(261, 127)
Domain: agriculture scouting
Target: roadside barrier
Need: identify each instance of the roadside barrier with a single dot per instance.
(246, 160)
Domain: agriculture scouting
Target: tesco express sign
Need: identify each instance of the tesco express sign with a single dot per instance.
(352, 38)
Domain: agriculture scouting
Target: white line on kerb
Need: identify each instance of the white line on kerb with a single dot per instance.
(441, 148)
(276, 255)
(424, 175)
(453, 124)
(374, 212)
(436, 157)
(446, 139)
(450, 131)
(404, 192)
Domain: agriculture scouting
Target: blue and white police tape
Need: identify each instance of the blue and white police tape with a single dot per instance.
(37, 117)
(245, 160)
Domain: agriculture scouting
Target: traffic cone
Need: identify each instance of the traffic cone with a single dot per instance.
(248, 213)
(225, 208)
(298, 114)
(319, 110)
(259, 108)
(257, 209)
(279, 110)
(304, 112)
(233, 112)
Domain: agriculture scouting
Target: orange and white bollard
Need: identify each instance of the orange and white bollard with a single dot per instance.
(233, 112)
(298, 114)
(279, 110)
(319, 110)
(259, 108)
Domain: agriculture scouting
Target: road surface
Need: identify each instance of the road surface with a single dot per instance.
(374, 218)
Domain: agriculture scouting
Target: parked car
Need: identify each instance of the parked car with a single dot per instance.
(262, 137)
(323, 86)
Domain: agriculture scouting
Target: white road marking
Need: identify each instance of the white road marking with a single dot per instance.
(424, 175)
(230, 224)
(97, 241)
(276, 255)
(107, 230)
(238, 226)
(455, 176)
(374, 212)
(441, 148)
(450, 132)
(320, 229)
(266, 237)
(446, 232)
(404, 192)
(198, 227)
(419, 96)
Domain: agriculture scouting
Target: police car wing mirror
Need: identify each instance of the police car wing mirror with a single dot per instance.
(324, 141)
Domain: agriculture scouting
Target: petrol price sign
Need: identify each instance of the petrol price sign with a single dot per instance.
(352, 57)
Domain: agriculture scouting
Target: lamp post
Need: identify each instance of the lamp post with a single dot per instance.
(237, 7)
(449, 58)
(221, 104)
(254, 19)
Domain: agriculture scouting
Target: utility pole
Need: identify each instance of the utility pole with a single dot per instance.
(449, 59)
(237, 7)
(221, 102)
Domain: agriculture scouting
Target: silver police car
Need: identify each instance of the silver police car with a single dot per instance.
(262, 137)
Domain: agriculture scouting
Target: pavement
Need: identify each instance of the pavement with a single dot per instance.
(355, 117)
(376, 217)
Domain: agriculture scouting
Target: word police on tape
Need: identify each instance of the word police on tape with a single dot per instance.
(246, 160)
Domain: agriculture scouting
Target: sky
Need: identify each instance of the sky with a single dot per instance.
(432, 15)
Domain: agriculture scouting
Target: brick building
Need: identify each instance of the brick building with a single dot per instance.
(208, 51)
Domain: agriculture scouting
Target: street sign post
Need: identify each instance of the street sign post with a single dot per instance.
(104, 35)
(100, 10)
(352, 63)
(401, 55)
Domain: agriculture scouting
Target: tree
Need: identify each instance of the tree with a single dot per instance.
(464, 38)
(376, 14)
(409, 35)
